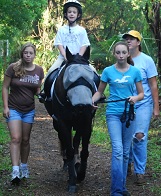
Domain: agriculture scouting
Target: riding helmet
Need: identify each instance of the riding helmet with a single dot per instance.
(72, 3)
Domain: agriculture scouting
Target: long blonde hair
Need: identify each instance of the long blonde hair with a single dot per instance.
(19, 66)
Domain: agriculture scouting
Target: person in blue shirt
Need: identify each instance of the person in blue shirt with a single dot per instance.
(122, 76)
(146, 108)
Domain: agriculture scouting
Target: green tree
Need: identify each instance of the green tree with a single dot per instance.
(152, 11)
(19, 15)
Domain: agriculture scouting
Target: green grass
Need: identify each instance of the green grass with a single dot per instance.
(154, 150)
(5, 162)
(3, 132)
(3, 128)
(154, 158)
(4, 139)
(100, 135)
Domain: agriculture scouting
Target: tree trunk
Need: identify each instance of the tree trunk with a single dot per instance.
(154, 22)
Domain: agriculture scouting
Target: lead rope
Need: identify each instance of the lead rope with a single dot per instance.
(131, 114)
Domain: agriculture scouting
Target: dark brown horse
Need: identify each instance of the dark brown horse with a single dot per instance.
(68, 100)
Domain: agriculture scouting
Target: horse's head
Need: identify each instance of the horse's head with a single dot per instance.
(78, 79)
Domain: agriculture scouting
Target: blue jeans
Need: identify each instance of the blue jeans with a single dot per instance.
(121, 138)
(138, 152)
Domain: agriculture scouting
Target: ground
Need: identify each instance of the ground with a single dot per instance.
(47, 177)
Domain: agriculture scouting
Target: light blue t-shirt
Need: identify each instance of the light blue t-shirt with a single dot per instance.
(148, 70)
(121, 86)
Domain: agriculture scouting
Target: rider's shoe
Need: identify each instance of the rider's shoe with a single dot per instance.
(41, 97)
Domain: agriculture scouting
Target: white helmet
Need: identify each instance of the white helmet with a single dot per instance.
(72, 3)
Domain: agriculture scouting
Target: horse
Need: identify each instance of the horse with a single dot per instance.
(68, 101)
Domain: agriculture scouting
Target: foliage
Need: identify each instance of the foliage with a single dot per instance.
(19, 16)
(4, 134)
(19, 19)
(44, 39)
(154, 157)
(105, 22)
(38, 22)
(99, 134)
(110, 17)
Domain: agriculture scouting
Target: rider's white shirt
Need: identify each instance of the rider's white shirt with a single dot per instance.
(72, 37)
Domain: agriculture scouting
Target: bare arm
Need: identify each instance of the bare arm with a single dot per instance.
(154, 91)
(39, 89)
(62, 51)
(99, 92)
(82, 50)
(5, 92)
(140, 95)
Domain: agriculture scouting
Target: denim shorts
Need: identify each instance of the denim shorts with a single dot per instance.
(25, 117)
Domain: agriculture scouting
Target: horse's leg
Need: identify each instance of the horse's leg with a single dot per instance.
(81, 172)
(71, 170)
(63, 154)
(62, 145)
(76, 144)
(65, 137)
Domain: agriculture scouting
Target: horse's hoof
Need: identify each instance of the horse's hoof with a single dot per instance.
(80, 178)
(72, 188)
(81, 173)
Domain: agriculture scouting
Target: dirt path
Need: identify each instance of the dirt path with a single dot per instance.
(47, 177)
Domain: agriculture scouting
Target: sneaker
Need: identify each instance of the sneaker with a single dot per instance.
(24, 172)
(125, 193)
(15, 179)
(140, 180)
(129, 170)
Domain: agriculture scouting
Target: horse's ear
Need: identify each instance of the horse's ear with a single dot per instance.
(68, 54)
(87, 53)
